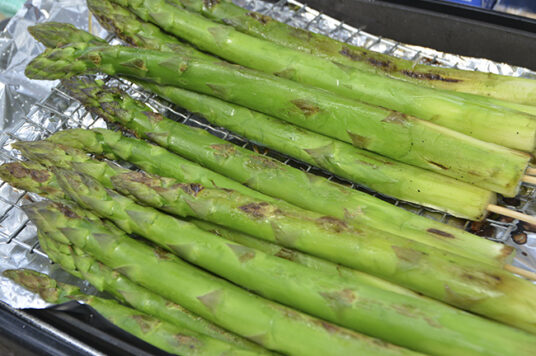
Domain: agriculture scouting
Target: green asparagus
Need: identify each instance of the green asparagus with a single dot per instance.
(270, 324)
(415, 266)
(287, 282)
(162, 334)
(381, 174)
(458, 111)
(395, 135)
(503, 87)
(81, 264)
(32, 177)
(259, 172)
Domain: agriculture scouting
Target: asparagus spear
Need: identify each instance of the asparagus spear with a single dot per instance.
(301, 189)
(310, 261)
(32, 177)
(51, 154)
(272, 325)
(486, 84)
(294, 285)
(84, 266)
(376, 172)
(162, 334)
(458, 111)
(414, 266)
(403, 138)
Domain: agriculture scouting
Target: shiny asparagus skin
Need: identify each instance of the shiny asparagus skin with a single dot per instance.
(270, 324)
(415, 266)
(394, 135)
(384, 175)
(458, 111)
(259, 172)
(503, 87)
(84, 266)
(310, 261)
(164, 335)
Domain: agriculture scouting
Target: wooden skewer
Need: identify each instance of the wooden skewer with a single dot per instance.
(529, 179)
(512, 214)
(520, 271)
(531, 171)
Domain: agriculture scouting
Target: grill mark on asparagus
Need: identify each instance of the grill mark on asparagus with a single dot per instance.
(439, 165)
(307, 107)
(429, 76)
(263, 19)
(441, 233)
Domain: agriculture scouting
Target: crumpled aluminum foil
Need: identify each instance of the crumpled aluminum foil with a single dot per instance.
(22, 116)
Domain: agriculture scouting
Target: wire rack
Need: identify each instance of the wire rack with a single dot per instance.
(60, 111)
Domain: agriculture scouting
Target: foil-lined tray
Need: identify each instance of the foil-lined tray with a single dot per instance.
(32, 110)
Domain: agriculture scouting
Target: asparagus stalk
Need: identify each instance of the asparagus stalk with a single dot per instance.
(310, 261)
(82, 265)
(301, 189)
(458, 111)
(508, 88)
(400, 137)
(414, 266)
(49, 153)
(384, 175)
(162, 334)
(32, 177)
(272, 325)
(300, 286)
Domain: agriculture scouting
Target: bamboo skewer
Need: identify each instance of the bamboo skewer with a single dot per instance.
(512, 214)
(529, 179)
(531, 171)
(521, 272)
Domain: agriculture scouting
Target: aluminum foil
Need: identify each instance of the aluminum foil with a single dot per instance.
(32, 110)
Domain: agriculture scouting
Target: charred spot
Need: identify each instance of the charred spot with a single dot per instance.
(182, 339)
(210, 3)
(161, 254)
(264, 162)
(342, 298)
(257, 210)
(358, 140)
(67, 212)
(243, 253)
(441, 233)
(439, 165)
(353, 55)
(494, 276)
(144, 322)
(17, 170)
(286, 253)
(396, 118)
(39, 176)
(263, 19)
(331, 223)
(308, 108)
(520, 238)
(377, 63)
(330, 328)
(429, 76)
(153, 116)
(481, 228)
(192, 189)
(224, 149)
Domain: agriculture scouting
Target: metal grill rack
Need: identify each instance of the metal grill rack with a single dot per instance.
(60, 111)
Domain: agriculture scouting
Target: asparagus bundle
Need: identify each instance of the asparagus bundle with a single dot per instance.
(379, 173)
(270, 324)
(254, 270)
(169, 337)
(384, 175)
(400, 137)
(508, 88)
(458, 111)
(31, 169)
(299, 188)
(84, 266)
(345, 248)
